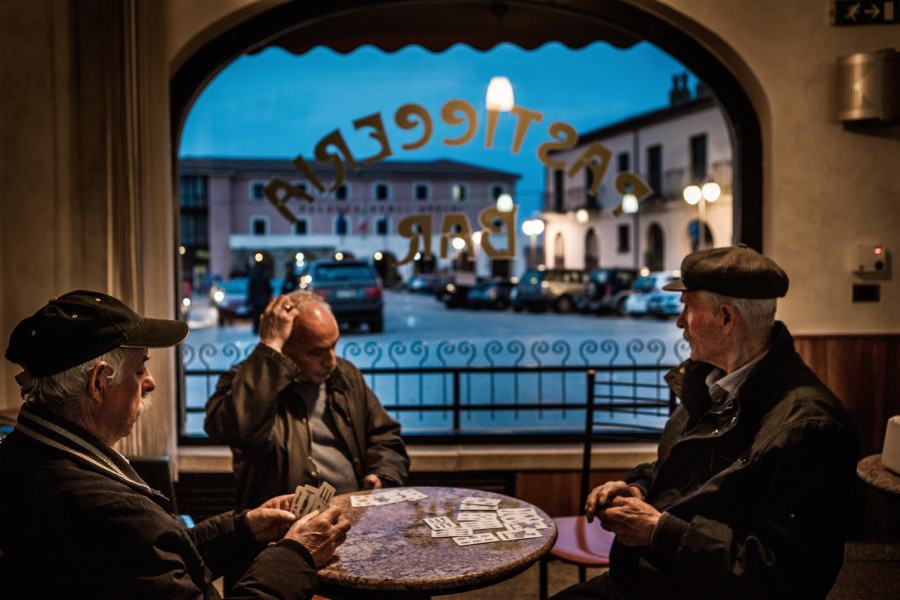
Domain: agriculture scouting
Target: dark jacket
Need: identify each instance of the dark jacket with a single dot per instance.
(755, 493)
(76, 521)
(256, 411)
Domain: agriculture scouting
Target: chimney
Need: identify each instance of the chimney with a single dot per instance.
(679, 94)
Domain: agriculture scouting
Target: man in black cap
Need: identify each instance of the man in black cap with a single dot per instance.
(76, 521)
(750, 494)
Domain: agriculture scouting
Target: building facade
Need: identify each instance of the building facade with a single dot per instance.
(228, 222)
(685, 143)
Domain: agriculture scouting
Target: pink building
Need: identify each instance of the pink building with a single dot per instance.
(226, 218)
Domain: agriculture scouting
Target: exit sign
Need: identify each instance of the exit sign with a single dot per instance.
(863, 12)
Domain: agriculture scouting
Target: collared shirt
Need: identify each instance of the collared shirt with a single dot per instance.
(723, 387)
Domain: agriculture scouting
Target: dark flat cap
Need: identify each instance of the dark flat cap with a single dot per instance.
(737, 271)
(81, 325)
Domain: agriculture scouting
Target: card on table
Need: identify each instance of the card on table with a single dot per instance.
(492, 502)
(522, 534)
(481, 507)
(456, 532)
(481, 538)
(440, 523)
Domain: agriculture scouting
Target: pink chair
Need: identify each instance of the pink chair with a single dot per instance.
(579, 543)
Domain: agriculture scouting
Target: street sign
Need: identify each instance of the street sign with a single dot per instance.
(864, 12)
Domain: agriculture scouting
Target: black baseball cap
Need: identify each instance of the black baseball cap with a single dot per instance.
(81, 325)
(736, 271)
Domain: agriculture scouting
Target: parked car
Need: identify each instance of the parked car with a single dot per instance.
(351, 287)
(454, 291)
(665, 304)
(492, 293)
(607, 290)
(422, 283)
(645, 288)
(539, 289)
(230, 298)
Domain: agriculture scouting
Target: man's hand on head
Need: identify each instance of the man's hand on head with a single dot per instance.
(277, 322)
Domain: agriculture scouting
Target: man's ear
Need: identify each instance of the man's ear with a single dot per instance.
(98, 382)
(727, 315)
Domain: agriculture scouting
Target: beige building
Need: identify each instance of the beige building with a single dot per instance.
(685, 143)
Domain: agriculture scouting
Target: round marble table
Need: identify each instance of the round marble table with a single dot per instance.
(390, 550)
(873, 472)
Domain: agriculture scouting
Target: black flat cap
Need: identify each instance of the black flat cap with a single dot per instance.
(736, 271)
(78, 326)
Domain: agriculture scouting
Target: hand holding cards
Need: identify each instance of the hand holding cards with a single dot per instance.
(308, 498)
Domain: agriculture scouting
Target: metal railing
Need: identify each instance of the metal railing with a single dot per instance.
(507, 389)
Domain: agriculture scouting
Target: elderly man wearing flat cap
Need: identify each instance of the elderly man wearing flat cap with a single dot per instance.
(76, 520)
(750, 494)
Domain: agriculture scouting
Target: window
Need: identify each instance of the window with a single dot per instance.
(654, 169)
(459, 192)
(381, 226)
(559, 252)
(624, 160)
(382, 192)
(342, 193)
(301, 227)
(590, 200)
(194, 229)
(422, 192)
(497, 191)
(340, 224)
(624, 245)
(558, 189)
(193, 192)
(259, 225)
(698, 158)
(256, 190)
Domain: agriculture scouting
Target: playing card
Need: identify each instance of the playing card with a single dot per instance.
(363, 500)
(456, 532)
(389, 497)
(473, 515)
(503, 512)
(440, 523)
(518, 535)
(410, 494)
(467, 507)
(523, 525)
(481, 538)
(485, 524)
(326, 493)
(494, 502)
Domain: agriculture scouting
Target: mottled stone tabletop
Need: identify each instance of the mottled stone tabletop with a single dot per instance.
(875, 474)
(390, 547)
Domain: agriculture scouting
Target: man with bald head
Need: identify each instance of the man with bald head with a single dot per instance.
(294, 413)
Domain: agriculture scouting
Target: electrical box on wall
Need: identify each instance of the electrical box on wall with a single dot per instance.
(869, 86)
(871, 259)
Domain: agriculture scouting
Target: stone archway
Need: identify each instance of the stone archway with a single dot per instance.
(346, 24)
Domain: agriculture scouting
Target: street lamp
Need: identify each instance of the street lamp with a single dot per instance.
(695, 194)
(533, 228)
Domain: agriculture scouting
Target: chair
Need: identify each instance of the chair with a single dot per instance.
(578, 542)
(588, 544)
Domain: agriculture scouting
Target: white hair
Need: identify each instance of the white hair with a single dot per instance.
(758, 313)
(60, 390)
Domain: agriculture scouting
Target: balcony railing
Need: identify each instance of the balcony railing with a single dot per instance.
(499, 390)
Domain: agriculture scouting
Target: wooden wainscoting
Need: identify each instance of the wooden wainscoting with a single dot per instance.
(864, 372)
